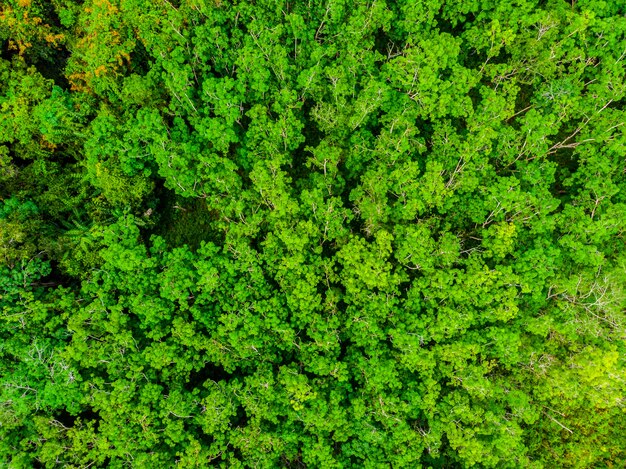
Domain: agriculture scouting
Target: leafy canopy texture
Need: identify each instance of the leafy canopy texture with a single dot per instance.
(259, 233)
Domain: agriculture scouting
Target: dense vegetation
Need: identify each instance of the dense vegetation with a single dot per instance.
(312, 233)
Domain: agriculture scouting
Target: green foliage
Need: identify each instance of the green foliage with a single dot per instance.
(312, 234)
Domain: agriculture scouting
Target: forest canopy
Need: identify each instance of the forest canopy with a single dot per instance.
(366, 233)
